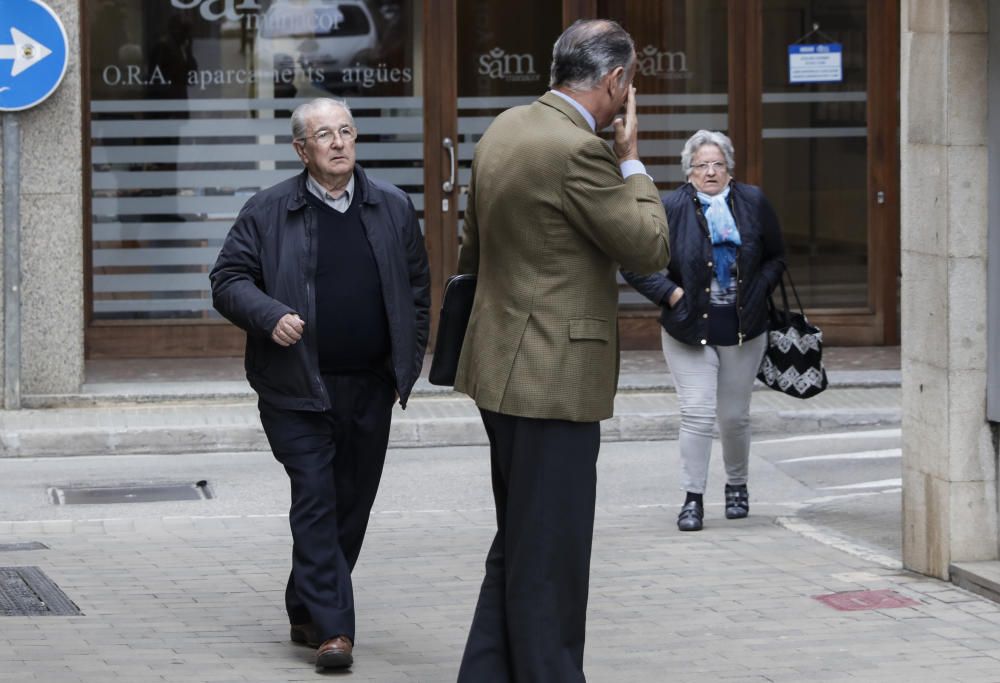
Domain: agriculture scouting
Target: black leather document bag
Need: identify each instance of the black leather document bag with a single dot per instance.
(459, 293)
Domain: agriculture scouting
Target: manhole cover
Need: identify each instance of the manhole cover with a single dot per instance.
(28, 592)
(129, 493)
(861, 600)
(30, 545)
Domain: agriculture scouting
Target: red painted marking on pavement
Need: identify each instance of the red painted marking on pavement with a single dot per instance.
(860, 600)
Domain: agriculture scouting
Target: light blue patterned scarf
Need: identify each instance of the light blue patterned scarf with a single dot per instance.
(724, 233)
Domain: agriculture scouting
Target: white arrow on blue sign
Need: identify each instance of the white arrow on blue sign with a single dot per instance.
(33, 52)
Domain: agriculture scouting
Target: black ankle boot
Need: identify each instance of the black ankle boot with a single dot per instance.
(691, 516)
(737, 501)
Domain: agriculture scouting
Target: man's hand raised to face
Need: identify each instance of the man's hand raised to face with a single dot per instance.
(627, 130)
(288, 330)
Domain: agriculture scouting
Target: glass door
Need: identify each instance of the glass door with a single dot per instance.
(482, 57)
(682, 85)
(815, 146)
(502, 58)
(829, 157)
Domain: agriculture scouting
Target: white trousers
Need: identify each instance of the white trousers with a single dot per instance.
(714, 384)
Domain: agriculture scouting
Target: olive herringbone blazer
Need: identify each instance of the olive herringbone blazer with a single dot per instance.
(548, 222)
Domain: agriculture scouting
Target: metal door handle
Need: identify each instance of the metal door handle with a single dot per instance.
(449, 184)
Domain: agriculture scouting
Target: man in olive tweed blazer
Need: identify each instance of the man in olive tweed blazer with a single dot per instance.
(552, 213)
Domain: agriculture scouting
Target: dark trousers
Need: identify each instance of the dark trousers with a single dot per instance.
(334, 460)
(531, 617)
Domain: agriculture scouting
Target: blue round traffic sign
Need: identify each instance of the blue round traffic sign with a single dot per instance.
(33, 52)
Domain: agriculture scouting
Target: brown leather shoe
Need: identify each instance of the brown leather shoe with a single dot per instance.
(303, 634)
(335, 653)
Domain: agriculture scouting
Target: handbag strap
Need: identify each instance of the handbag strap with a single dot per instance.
(784, 295)
(780, 316)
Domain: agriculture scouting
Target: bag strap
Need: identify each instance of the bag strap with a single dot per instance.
(780, 316)
(784, 295)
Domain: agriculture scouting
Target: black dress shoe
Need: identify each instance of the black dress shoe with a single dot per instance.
(691, 516)
(737, 501)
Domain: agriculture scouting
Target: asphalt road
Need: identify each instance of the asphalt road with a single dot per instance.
(856, 482)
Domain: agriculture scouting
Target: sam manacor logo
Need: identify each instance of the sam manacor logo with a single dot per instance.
(502, 65)
(658, 63)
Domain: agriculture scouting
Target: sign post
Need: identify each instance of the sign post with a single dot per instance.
(33, 52)
(11, 262)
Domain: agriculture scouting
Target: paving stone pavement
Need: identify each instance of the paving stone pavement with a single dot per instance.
(200, 599)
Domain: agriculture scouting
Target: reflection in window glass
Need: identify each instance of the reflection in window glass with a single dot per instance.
(190, 105)
(815, 151)
(313, 22)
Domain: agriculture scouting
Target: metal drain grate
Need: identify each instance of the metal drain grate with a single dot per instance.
(28, 592)
(30, 545)
(129, 493)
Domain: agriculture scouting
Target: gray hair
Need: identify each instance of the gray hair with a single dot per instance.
(707, 137)
(304, 110)
(588, 51)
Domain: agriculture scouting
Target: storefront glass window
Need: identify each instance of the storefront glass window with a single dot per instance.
(190, 103)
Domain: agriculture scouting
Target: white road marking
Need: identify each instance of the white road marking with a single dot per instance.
(881, 483)
(860, 434)
(845, 496)
(859, 455)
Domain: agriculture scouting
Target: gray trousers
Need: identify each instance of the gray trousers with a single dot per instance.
(713, 383)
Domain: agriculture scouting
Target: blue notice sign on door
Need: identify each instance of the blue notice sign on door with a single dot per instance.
(32, 53)
(821, 63)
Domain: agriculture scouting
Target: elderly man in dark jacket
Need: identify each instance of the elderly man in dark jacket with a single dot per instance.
(327, 274)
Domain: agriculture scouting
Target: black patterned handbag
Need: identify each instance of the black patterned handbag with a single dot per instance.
(793, 361)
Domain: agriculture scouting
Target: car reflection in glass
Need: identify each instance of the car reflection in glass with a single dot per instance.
(318, 39)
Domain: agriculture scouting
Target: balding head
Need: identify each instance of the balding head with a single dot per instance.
(589, 50)
(303, 112)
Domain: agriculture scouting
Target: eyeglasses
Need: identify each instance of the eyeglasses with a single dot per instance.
(714, 165)
(324, 136)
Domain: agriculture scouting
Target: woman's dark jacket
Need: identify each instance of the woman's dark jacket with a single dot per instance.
(760, 263)
(267, 268)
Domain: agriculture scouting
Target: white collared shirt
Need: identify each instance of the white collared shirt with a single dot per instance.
(628, 167)
(341, 203)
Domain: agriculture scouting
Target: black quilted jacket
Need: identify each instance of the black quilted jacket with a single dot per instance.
(760, 263)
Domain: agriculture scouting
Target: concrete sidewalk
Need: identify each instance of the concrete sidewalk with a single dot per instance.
(200, 599)
(206, 405)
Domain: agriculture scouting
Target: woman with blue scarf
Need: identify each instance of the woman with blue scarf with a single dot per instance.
(726, 256)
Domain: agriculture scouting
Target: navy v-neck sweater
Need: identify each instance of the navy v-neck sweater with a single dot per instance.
(351, 325)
